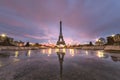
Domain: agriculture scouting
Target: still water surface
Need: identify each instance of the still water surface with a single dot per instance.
(55, 64)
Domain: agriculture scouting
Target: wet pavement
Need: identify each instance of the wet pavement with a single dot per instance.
(54, 64)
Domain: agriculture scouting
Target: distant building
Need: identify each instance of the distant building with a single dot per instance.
(8, 41)
(100, 41)
(21, 44)
(110, 40)
(18, 43)
(113, 40)
(116, 39)
(2, 39)
(5, 40)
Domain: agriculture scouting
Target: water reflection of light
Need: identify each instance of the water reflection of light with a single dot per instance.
(16, 54)
(61, 46)
(43, 51)
(100, 54)
(60, 50)
(72, 52)
(29, 53)
(86, 52)
(64, 50)
(56, 50)
(16, 60)
(49, 51)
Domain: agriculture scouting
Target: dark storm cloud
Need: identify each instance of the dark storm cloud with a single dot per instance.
(38, 20)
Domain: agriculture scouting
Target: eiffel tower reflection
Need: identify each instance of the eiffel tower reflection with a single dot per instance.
(61, 59)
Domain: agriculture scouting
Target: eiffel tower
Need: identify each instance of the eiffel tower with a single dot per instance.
(60, 39)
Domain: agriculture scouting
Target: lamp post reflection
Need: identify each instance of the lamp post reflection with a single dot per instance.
(43, 51)
(28, 54)
(100, 54)
(61, 55)
(72, 52)
(16, 54)
(16, 59)
(86, 52)
(49, 51)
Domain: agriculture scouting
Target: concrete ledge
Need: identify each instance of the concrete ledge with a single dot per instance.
(18, 48)
(93, 47)
(112, 48)
(107, 48)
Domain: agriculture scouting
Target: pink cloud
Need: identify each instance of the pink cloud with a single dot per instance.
(82, 19)
(37, 37)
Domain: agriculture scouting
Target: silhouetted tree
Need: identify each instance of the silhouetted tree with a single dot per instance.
(7, 42)
(27, 44)
(91, 44)
(36, 44)
(110, 40)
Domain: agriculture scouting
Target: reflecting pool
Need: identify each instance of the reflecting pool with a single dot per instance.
(59, 64)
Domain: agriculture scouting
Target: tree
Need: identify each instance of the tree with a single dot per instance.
(36, 44)
(27, 44)
(91, 44)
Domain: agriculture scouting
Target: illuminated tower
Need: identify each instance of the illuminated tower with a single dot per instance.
(61, 42)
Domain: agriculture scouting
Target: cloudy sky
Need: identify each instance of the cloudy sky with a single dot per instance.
(38, 20)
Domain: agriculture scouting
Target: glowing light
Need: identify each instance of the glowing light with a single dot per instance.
(16, 54)
(86, 52)
(72, 52)
(100, 54)
(61, 46)
(21, 44)
(3, 35)
(29, 53)
(43, 51)
(56, 50)
(64, 50)
(113, 35)
(97, 39)
(49, 51)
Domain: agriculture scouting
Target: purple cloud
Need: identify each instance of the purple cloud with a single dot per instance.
(38, 20)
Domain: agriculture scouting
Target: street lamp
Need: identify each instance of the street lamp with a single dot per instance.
(3, 35)
(113, 35)
(97, 39)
